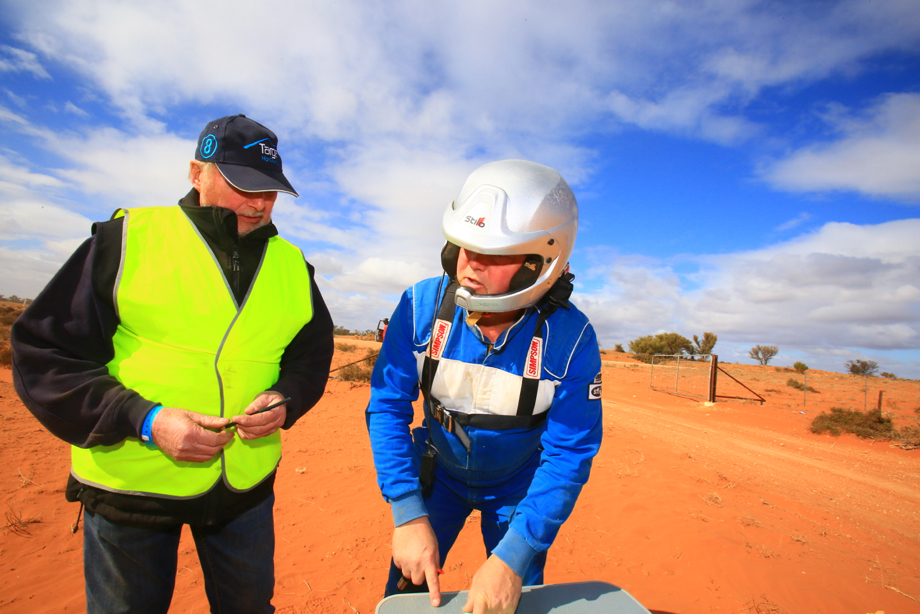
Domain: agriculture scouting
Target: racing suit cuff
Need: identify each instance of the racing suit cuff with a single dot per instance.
(408, 507)
(515, 552)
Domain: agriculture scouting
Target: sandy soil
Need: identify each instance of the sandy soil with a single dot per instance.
(733, 507)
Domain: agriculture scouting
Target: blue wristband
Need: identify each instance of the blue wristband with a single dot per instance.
(147, 428)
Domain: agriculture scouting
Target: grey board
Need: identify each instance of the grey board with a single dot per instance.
(572, 598)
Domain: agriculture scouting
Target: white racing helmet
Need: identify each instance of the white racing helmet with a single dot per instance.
(507, 208)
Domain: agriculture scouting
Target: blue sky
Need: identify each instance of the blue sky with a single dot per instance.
(746, 168)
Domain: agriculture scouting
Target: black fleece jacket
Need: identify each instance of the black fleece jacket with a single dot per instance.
(63, 341)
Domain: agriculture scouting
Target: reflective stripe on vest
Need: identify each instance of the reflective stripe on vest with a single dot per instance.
(183, 342)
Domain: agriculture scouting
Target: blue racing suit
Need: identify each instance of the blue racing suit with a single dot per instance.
(525, 481)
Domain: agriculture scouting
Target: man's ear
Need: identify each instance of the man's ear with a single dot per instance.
(195, 169)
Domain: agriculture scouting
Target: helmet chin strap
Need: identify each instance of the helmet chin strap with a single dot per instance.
(474, 317)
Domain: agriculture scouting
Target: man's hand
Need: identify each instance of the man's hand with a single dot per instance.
(184, 436)
(495, 589)
(266, 423)
(415, 553)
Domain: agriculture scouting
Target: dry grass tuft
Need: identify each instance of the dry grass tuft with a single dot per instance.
(359, 371)
(16, 524)
(909, 437)
(794, 383)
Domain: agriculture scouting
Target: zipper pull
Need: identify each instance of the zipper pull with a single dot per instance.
(235, 260)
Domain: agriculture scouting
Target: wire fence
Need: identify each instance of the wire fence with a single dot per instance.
(689, 376)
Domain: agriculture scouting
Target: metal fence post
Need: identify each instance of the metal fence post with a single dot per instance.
(677, 375)
(713, 373)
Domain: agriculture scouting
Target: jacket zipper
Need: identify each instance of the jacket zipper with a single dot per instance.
(235, 269)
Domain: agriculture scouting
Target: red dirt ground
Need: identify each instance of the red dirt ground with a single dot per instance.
(733, 507)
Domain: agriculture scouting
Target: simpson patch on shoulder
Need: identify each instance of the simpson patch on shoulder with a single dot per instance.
(594, 388)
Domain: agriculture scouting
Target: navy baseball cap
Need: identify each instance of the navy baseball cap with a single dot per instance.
(246, 152)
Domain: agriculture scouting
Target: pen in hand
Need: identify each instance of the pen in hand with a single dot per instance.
(264, 409)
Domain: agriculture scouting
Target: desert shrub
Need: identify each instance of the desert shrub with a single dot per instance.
(646, 358)
(346, 347)
(706, 344)
(619, 348)
(794, 383)
(870, 424)
(355, 373)
(662, 343)
(888, 375)
(6, 355)
(801, 367)
(8, 315)
(359, 371)
(861, 367)
(763, 354)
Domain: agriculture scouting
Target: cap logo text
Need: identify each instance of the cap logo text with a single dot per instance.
(481, 222)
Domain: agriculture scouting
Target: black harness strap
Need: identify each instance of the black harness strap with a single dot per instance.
(530, 385)
(455, 422)
(440, 331)
(558, 296)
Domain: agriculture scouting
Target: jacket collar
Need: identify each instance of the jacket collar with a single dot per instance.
(220, 224)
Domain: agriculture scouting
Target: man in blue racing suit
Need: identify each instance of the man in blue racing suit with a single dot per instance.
(510, 374)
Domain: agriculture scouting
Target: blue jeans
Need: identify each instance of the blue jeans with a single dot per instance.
(450, 503)
(128, 569)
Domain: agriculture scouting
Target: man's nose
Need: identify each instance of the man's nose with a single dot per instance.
(257, 200)
(476, 260)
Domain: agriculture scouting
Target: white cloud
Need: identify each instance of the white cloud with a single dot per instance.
(73, 109)
(466, 71)
(857, 286)
(16, 179)
(20, 60)
(877, 155)
(38, 220)
(125, 170)
(794, 222)
(40, 236)
(841, 286)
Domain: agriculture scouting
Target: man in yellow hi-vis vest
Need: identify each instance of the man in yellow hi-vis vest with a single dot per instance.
(157, 352)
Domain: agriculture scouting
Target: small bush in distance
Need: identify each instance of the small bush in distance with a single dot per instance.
(8, 315)
(801, 367)
(871, 424)
(619, 348)
(360, 371)
(355, 373)
(888, 375)
(348, 348)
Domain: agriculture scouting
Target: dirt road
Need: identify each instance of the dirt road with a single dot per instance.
(733, 507)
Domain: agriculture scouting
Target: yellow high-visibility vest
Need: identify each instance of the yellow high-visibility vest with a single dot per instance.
(183, 342)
